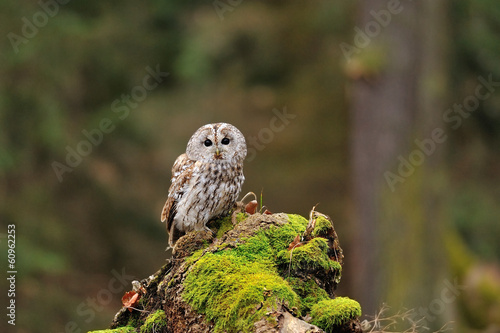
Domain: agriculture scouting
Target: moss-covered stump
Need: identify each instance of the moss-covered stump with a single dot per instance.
(267, 273)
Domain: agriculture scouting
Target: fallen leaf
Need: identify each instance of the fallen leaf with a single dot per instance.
(130, 299)
(295, 243)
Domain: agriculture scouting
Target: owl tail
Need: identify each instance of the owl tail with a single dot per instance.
(164, 212)
(174, 234)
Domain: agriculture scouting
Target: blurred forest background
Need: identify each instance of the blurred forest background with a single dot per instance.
(331, 96)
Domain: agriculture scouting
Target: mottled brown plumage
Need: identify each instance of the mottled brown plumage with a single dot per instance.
(206, 180)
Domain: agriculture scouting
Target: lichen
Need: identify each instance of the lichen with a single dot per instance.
(155, 322)
(332, 313)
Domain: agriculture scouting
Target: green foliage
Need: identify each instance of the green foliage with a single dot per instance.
(102, 216)
(473, 211)
(475, 29)
(332, 313)
(66, 78)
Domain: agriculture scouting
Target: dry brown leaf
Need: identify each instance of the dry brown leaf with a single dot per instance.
(295, 243)
(130, 299)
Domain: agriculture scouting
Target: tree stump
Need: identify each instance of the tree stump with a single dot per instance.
(254, 273)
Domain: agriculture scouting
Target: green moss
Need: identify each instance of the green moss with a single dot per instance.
(239, 282)
(281, 237)
(240, 217)
(311, 256)
(224, 225)
(228, 288)
(322, 227)
(193, 257)
(155, 322)
(234, 287)
(134, 320)
(256, 248)
(126, 329)
(309, 292)
(272, 320)
(332, 313)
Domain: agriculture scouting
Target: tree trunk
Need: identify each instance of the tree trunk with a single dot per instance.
(398, 185)
(383, 107)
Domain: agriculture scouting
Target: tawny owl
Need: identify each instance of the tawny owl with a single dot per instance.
(206, 180)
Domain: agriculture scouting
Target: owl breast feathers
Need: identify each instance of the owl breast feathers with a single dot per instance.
(206, 180)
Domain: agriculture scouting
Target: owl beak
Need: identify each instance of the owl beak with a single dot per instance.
(217, 153)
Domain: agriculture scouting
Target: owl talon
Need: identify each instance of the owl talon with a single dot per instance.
(209, 230)
(234, 221)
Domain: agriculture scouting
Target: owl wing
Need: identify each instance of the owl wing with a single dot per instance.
(181, 173)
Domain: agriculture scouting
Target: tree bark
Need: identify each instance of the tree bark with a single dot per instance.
(383, 108)
(399, 225)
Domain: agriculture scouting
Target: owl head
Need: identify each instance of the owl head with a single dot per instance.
(217, 142)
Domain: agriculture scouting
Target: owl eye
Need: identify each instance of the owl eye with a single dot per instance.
(225, 141)
(207, 143)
